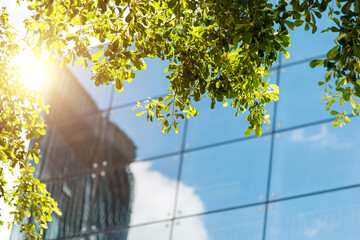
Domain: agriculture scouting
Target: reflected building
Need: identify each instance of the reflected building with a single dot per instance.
(76, 148)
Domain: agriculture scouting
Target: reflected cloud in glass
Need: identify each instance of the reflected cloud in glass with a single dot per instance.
(316, 158)
(330, 216)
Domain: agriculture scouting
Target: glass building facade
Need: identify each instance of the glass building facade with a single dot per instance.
(116, 176)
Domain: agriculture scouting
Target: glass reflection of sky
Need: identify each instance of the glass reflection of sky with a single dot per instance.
(158, 231)
(147, 136)
(154, 190)
(246, 223)
(304, 44)
(225, 176)
(330, 216)
(219, 124)
(100, 94)
(316, 158)
(151, 82)
(300, 99)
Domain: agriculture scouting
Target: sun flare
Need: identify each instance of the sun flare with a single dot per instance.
(31, 70)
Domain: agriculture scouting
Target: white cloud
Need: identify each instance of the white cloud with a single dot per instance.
(313, 231)
(322, 139)
(154, 196)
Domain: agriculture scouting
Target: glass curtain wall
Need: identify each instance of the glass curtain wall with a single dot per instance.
(116, 176)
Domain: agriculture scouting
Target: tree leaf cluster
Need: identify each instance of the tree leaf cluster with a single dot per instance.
(222, 50)
(20, 121)
(341, 82)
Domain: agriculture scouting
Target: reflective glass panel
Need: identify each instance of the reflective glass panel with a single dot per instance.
(224, 176)
(245, 223)
(300, 99)
(158, 231)
(151, 82)
(316, 158)
(137, 193)
(73, 146)
(99, 96)
(67, 97)
(218, 125)
(305, 45)
(146, 136)
(330, 216)
(74, 197)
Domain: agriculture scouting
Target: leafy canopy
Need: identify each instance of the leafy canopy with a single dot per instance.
(217, 49)
(222, 50)
(20, 120)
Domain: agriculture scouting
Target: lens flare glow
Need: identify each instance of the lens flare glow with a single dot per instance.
(31, 70)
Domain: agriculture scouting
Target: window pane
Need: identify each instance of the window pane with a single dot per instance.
(300, 99)
(316, 158)
(224, 176)
(72, 93)
(139, 193)
(218, 125)
(74, 198)
(245, 223)
(72, 147)
(304, 44)
(150, 82)
(146, 136)
(329, 216)
(100, 94)
(158, 231)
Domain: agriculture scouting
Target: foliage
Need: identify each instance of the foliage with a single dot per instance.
(216, 49)
(20, 121)
(222, 50)
(342, 61)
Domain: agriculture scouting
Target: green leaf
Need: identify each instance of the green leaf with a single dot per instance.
(286, 54)
(206, 4)
(341, 36)
(333, 112)
(119, 85)
(354, 103)
(338, 4)
(335, 123)
(141, 113)
(41, 131)
(258, 131)
(128, 18)
(2, 156)
(346, 8)
(306, 26)
(36, 159)
(248, 132)
(328, 76)
(80, 61)
(97, 55)
(332, 53)
(71, 36)
(346, 119)
(316, 63)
